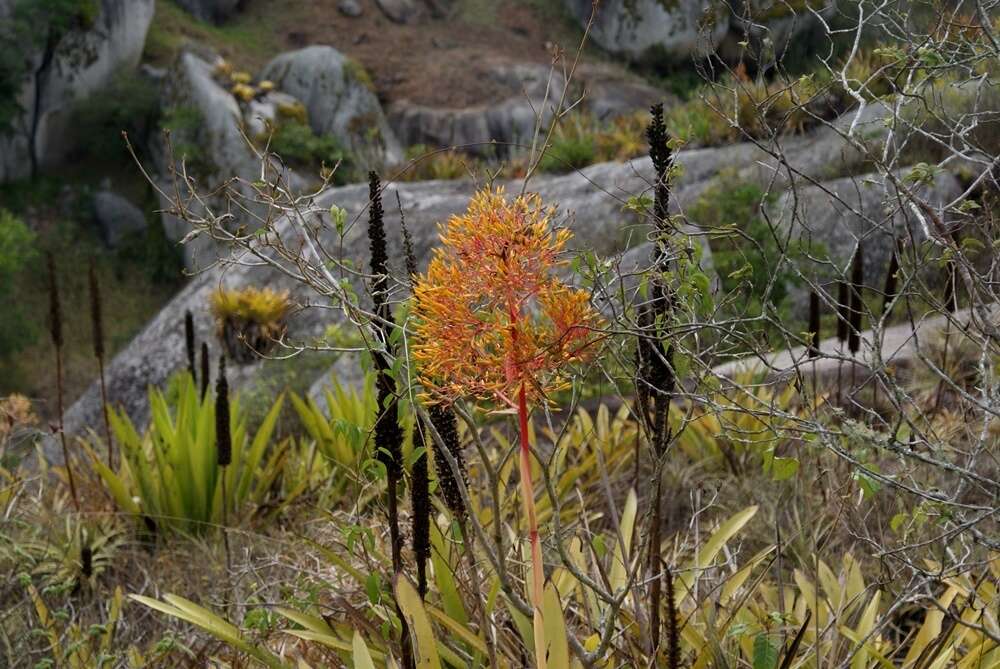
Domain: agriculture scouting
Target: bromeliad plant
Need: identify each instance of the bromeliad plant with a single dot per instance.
(250, 320)
(341, 431)
(493, 324)
(171, 475)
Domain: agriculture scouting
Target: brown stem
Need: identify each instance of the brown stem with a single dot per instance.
(479, 610)
(62, 428)
(673, 624)
(392, 510)
(225, 542)
(655, 591)
(107, 421)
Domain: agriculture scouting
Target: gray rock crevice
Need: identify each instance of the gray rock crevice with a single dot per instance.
(81, 64)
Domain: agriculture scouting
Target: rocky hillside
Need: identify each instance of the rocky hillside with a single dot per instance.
(590, 204)
(373, 84)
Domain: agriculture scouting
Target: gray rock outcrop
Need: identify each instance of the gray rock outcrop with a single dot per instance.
(117, 217)
(339, 100)
(211, 144)
(900, 346)
(506, 127)
(350, 8)
(680, 29)
(83, 63)
(610, 92)
(636, 28)
(398, 11)
(217, 119)
(834, 216)
(215, 143)
(498, 128)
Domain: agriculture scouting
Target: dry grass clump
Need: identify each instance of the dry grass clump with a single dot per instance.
(580, 140)
(16, 413)
(737, 107)
(424, 164)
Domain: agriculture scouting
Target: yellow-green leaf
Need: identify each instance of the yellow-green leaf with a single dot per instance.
(362, 657)
(425, 650)
(555, 629)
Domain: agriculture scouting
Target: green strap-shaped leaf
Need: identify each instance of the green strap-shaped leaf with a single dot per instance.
(215, 625)
(708, 552)
(116, 486)
(256, 451)
(765, 655)
(623, 549)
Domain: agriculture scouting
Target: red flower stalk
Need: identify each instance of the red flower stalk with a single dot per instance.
(494, 324)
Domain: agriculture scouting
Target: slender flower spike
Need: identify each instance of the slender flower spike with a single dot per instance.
(854, 308)
(421, 521)
(843, 311)
(204, 369)
(223, 436)
(490, 314)
(189, 341)
(96, 319)
(444, 421)
(55, 307)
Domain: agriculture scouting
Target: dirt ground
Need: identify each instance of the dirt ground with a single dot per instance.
(435, 61)
(439, 62)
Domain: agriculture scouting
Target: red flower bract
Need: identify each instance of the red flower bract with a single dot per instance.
(490, 314)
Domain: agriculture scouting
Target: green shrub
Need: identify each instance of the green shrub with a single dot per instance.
(297, 144)
(340, 432)
(569, 153)
(293, 111)
(581, 140)
(184, 123)
(423, 164)
(17, 252)
(129, 104)
(726, 111)
(745, 252)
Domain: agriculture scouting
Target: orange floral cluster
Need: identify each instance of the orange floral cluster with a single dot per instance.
(490, 314)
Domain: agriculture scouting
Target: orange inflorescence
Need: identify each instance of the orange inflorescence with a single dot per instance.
(490, 315)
